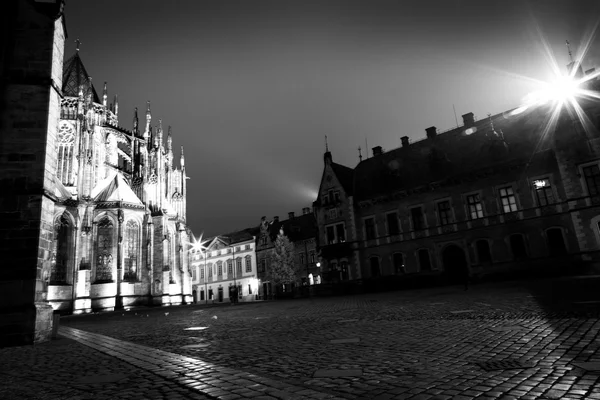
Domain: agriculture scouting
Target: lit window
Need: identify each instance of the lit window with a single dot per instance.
(133, 247)
(475, 206)
(543, 191)
(444, 212)
(507, 197)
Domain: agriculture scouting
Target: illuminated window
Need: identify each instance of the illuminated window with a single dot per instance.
(507, 197)
(66, 141)
(418, 218)
(392, 223)
(229, 267)
(248, 264)
(475, 207)
(592, 179)
(543, 191)
(104, 250)
(238, 266)
(444, 212)
(132, 234)
(370, 228)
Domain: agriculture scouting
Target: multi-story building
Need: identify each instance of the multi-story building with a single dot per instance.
(515, 190)
(302, 233)
(228, 261)
(119, 227)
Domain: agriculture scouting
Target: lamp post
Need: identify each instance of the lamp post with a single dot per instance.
(199, 246)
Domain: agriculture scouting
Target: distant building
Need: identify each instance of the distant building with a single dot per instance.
(301, 230)
(507, 192)
(229, 261)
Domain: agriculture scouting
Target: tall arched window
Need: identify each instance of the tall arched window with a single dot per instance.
(238, 266)
(66, 141)
(209, 269)
(60, 252)
(104, 250)
(132, 249)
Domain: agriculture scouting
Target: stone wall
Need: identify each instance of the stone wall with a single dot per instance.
(29, 95)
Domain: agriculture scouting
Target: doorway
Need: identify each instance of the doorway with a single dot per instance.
(220, 294)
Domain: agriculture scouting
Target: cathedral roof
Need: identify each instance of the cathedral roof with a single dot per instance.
(75, 76)
(115, 188)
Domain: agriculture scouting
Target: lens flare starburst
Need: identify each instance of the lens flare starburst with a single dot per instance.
(199, 245)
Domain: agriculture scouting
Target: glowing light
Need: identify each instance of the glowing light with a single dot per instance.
(196, 328)
(318, 265)
(539, 184)
(471, 130)
(198, 245)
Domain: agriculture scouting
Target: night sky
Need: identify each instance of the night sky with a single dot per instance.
(251, 88)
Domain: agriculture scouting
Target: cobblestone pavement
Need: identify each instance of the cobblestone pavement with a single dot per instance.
(422, 344)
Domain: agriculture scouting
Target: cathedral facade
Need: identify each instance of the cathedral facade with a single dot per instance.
(120, 237)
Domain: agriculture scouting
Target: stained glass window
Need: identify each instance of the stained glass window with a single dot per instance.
(104, 250)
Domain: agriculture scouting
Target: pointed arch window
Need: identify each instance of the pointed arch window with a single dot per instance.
(66, 142)
(60, 251)
(104, 250)
(132, 249)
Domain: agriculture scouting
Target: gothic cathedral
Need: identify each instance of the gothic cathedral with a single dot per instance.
(120, 234)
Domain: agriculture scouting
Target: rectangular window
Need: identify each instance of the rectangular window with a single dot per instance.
(202, 274)
(249, 289)
(340, 231)
(370, 228)
(444, 212)
(194, 274)
(336, 196)
(418, 218)
(312, 257)
(301, 257)
(330, 235)
(333, 213)
(210, 271)
(220, 270)
(475, 206)
(263, 265)
(238, 266)
(507, 197)
(248, 264)
(398, 260)
(392, 224)
(237, 248)
(592, 179)
(247, 247)
(229, 267)
(228, 250)
(263, 240)
(543, 192)
(330, 196)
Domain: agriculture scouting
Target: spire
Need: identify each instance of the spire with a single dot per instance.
(116, 103)
(569, 50)
(359, 155)
(77, 43)
(182, 159)
(104, 95)
(160, 132)
(90, 96)
(155, 138)
(326, 145)
(327, 156)
(169, 140)
(135, 122)
(147, 133)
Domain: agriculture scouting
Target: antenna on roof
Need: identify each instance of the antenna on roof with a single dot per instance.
(326, 146)
(367, 147)
(455, 119)
(569, 50)
(359, 155)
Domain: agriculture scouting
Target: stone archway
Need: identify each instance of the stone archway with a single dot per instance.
(455, 263)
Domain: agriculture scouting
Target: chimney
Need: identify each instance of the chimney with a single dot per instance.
(468, 120)
(431, 132)
(305, 210)
(404, 140)
(291, 215)
(276, 218)
(377, 151)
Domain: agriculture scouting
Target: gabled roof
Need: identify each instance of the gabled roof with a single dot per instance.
(75, 76)
(345, 176)
(228, 239)
(298, 228)
(115, 188)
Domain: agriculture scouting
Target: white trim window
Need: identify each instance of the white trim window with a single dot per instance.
(543, 191)
(507, 199)
(474, 206)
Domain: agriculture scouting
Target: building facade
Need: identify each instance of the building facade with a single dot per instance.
(119, 236)
(228, 261)
(302, 233)
(514, 191)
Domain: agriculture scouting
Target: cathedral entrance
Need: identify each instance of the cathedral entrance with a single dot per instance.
(455, 263)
